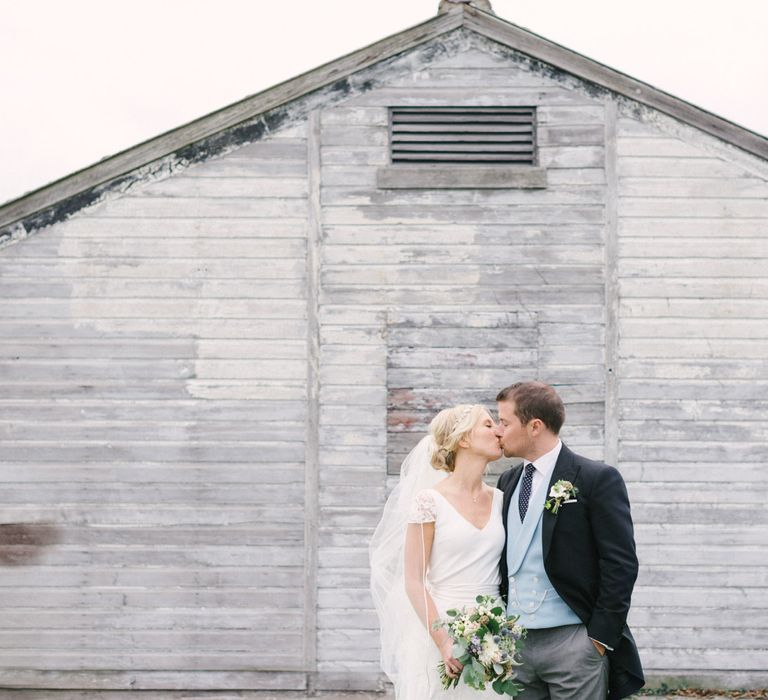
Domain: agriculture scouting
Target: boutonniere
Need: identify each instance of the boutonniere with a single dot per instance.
(561, 492)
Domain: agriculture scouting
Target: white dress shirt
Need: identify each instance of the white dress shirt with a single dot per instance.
(543, 468)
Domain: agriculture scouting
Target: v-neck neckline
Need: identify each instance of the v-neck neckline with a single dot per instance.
(469, 522)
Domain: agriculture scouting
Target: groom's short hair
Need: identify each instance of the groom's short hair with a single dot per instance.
(535, 400)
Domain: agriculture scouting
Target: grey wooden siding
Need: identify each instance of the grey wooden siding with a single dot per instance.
(434, 297)
(693, 376)
(153, 369)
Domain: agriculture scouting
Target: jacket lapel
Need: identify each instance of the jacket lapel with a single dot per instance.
(565, 468)
(508, 491)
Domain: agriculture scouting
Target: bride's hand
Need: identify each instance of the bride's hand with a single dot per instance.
(453, 666)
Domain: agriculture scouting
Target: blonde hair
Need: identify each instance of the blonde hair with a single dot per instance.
(448, 428)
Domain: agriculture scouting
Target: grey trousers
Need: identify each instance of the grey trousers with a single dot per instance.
(561, 663)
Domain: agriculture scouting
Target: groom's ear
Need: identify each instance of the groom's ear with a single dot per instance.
(535, 426)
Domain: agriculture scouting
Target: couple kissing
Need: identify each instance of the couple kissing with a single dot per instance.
(554, 541)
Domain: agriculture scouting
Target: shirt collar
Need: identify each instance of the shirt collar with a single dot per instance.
(545, 464)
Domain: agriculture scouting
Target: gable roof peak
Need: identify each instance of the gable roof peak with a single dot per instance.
(448, 5)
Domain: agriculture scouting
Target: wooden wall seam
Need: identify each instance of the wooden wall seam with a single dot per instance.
(611, 285)
(311, 474)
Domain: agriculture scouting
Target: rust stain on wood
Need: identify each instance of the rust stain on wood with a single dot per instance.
(23, 543)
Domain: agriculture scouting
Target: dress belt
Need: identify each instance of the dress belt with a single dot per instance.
(460, 592)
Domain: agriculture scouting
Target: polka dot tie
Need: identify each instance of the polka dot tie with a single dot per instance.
(525, 490)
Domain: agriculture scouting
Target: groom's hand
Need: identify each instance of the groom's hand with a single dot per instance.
(600, 648)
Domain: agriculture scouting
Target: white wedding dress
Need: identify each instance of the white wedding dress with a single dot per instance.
(463, 563)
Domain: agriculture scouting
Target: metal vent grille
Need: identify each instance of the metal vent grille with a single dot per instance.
(463, 135)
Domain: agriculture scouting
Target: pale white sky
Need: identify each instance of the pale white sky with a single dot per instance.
(83, 79)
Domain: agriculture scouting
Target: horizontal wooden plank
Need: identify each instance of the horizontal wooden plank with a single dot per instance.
(202, 185)
(707, 638)
(491, 97)
(479, 357)
(694, 369)
(401, 214)
(142, 309)
(691, 267)
(160, 660)
(148, 682)
(704, 659)
(658, 165)
(682, 472)
(28, 287)
(665, 575)
(713, 288)
(571, 157)
(648, 534)
(695, 492)
(128, 329)
(65, 349)
(710, 247)
(486, 234)
(661, 227)
(372, 398)
(234, 166)
(99, 247)
(698, 512)
(120, 577)
(425, 275)
(161, 230)
(105, 492)
(656, 146)
(690, 207)
(122, 514)
(188, 268)
(696, 449)
(22, 543)
(742, 555)
(148, 369)
(695, 615)
(127, 451)
(149, 473)
(222, 643)
(746, 329)
(46, 598)
(193, 207)
(226, 389)
(424, 254)
(695, 188)
(406, 292)
(693, 410)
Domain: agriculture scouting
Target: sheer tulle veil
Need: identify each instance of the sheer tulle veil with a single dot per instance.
(399, 624)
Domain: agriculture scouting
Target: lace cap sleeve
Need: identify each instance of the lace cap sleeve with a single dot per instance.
(423, 508)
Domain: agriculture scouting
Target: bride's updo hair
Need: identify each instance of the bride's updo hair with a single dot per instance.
(448, 428)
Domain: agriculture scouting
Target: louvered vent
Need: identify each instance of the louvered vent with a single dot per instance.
(468, 135)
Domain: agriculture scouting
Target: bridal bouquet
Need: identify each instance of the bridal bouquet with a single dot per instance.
(485, 641)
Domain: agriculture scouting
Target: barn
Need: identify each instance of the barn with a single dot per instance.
(216, 347)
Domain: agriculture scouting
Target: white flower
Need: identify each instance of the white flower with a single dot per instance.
(561, 491)
(490, 652)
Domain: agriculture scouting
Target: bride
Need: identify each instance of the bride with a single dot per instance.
(436, 547)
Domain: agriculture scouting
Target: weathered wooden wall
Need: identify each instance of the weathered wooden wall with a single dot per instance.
(435, 297)
(206, 381)
(693, 341)
(153, 365)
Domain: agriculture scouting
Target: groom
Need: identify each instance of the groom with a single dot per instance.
(569, 563)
